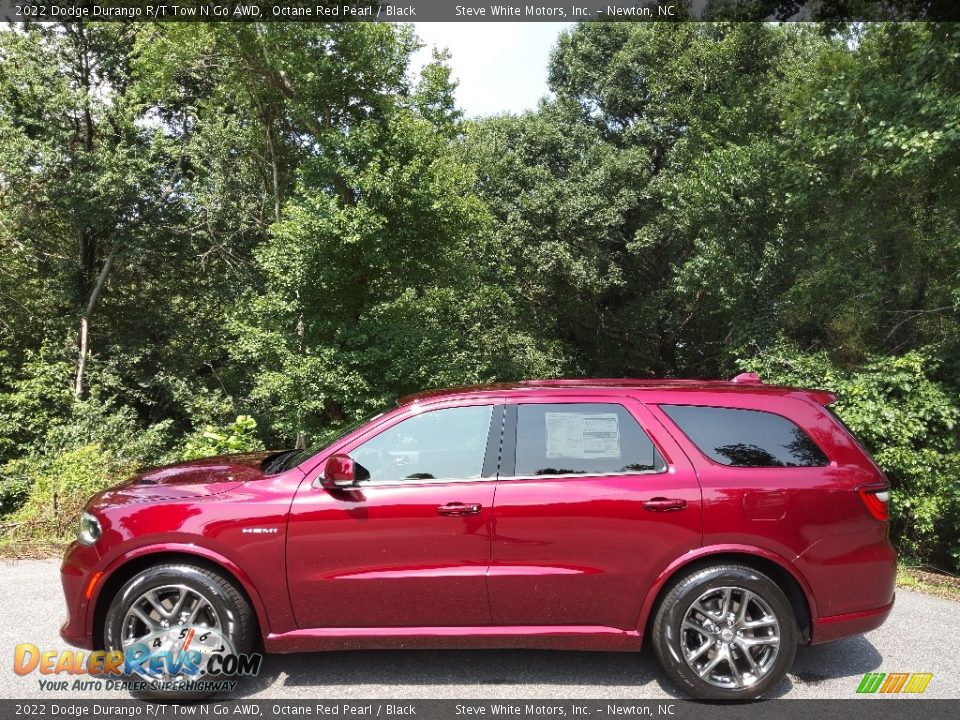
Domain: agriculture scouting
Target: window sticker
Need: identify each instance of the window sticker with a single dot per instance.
(583, 435)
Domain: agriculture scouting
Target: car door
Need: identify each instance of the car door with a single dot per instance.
(593, 501)
(410, 545)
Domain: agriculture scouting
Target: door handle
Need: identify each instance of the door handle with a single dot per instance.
(662, 504)
(459, 508)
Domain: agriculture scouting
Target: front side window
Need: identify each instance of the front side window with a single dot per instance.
(435, 445)
(582, 439)
(746, 438)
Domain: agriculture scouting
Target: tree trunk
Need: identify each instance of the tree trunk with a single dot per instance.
(82, 361)
(78, 388)
(88, 244)
(275, 171)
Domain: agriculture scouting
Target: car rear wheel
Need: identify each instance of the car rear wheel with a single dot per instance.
(725, 632)
(172, 609)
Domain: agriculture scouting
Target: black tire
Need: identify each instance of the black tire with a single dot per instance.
(763, 597)
(233, 611)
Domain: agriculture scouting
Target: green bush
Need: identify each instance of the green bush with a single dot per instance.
(115, 429)
(59, 488)
(95, 446)
(78, 448)
(88, 446)
(33, 399)
(908, 418)
(13, 493)
(237, 437)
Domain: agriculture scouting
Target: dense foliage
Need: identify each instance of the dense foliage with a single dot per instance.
(227, 237)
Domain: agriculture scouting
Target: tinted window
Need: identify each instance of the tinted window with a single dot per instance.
(746, 438)
(581, 438)
(441, 444)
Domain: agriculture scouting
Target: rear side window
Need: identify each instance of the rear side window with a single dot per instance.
(746, 438)
(582, 439)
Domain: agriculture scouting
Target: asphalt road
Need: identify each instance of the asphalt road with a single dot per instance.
(920, 636)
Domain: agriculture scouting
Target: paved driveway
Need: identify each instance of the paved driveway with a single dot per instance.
(920, 636)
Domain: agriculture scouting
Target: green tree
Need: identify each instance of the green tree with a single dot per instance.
(374, 275)
(639, 200)
(87, 181)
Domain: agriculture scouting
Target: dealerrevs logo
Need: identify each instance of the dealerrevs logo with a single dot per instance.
(894, 683)
(180, 658)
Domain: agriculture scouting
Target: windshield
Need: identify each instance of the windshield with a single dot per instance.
(291, 458)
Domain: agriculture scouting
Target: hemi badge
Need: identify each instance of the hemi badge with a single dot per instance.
(260, 531)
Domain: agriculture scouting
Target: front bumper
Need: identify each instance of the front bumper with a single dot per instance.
(79, 580)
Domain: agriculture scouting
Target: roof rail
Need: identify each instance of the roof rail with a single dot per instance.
(747, 378)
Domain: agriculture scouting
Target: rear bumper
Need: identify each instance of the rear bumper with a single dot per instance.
(835, 627)
(852, 578)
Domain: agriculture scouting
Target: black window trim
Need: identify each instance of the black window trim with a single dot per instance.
(508, 461)
(830, 464)
(491, 459)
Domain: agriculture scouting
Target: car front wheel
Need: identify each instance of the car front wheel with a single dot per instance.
(172, 609)
(725, 632)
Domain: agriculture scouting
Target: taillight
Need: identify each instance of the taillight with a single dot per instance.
(877, 501)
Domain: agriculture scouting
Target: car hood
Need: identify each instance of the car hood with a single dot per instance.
(193, 478)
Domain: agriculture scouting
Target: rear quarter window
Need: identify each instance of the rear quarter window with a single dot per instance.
(746, 438)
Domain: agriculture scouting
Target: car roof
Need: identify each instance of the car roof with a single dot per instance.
(743, 383)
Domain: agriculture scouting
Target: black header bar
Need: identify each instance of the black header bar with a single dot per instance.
(479, 10)
(121, 708)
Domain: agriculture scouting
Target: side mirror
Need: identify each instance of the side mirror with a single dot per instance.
(340, 472)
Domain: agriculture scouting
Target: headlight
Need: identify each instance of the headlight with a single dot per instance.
(89, 531)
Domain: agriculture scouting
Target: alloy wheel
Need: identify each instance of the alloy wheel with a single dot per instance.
(730, 637)
(173, 619)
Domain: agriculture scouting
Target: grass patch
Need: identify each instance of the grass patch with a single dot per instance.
(929, 581)
(31, 549)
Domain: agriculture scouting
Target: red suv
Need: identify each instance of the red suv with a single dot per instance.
(726, 522)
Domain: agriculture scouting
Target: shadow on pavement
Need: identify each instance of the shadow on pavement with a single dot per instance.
(453, 667)
(813, 665)
(848, 658)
